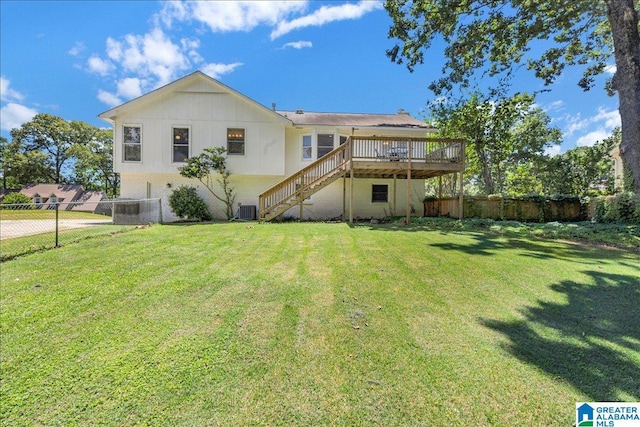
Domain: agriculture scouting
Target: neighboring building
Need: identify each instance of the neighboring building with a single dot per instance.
(155, 133)
(618, 171)
(69, 196)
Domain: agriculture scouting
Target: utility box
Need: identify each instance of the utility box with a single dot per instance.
(247, 212)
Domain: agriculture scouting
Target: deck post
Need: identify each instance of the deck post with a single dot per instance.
(301, 209)
(351, 183)
(344, 196)
(409, 183)
(461, 200)
(395, 191)
(440, 195)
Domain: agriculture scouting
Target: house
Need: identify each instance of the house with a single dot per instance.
(618, 169)
(293, 163)
(68, 196)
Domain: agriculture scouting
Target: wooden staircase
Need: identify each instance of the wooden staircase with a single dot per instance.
(302, 184)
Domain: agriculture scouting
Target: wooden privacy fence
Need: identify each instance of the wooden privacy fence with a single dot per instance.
(533, 210)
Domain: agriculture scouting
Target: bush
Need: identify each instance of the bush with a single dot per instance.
(624, 208)
(18, 199)
(186, 204)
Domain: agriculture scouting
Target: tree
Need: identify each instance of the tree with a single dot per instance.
(581, 171)
(21, 167)
(93, 165)
(49, 135)
(496, 37)
(203, 168)
(503, 135)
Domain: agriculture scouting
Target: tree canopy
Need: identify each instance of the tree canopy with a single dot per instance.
(495, 38)
(50, 149)
(505, 135)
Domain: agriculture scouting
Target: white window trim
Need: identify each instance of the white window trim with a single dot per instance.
(172, 144)
(131, 125)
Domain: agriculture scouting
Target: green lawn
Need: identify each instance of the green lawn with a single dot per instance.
(316, 324)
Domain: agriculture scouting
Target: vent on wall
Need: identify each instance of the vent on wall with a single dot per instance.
(247, 212)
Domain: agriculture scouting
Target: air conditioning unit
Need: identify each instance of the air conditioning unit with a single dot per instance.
(247, 212)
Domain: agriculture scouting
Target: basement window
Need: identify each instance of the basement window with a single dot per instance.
(379, 193)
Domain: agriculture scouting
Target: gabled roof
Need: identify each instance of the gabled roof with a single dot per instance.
(401, 119)
(61, 191)
(182, 83)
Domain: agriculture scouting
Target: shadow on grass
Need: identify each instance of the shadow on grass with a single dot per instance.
(592, 342)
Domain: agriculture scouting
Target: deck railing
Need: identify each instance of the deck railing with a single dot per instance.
(432, 150)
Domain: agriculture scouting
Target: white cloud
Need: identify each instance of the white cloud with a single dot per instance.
(152, 54)
(14, 115)
(108, 98)
(611, 69)
(325, 15)
(597, 127)
(591, 138)
(553, 150)
(225, 16)
(99, 66)
(298, 45)
(8, 94)
(611, 118)
(574, 123)
(217, 70)
(114, 49)
(130, 87)
(77, 49)
(554, 106)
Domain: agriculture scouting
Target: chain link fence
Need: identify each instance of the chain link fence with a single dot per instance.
(26, 228)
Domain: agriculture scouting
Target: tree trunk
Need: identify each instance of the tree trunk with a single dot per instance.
(623, 20)
(489, 186)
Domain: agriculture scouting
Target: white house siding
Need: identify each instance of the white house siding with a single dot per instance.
(141, 186)
(328, 202)
(208, 115)
(325, 204)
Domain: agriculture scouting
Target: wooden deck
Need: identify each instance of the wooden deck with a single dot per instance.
(420, 158)
(366, 157)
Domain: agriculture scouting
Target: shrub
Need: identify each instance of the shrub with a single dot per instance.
(186, 204)
(624, 208)
(18, 199)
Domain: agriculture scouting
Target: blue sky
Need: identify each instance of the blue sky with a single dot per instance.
(77, 59)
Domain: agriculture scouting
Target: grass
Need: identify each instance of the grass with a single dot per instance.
(316, 324)
(19, 246)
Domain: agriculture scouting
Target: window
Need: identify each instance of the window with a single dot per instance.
(307, 151)
(132, 141)
(325, 144)
(235, 141)
(379, 193)
(37, 200)
(180, 144)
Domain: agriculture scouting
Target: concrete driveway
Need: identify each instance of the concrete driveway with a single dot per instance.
(27, 227)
